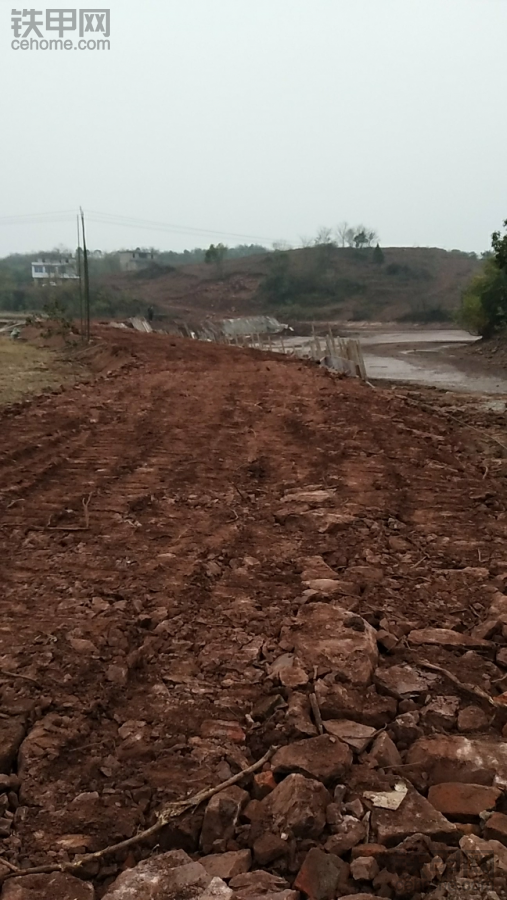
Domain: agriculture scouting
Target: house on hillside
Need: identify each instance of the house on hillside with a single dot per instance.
(54, 269)
(135, 260)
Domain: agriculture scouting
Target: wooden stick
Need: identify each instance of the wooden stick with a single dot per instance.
(17, 675)
(172, 811)
(467, 689)
(316, 713)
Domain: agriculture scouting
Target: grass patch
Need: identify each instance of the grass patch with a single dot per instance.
(26, 370)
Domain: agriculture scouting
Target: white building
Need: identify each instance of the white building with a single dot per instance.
(54, 269)
(135, 260)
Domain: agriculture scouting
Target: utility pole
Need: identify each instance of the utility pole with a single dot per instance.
(79, 272)
(86, 279)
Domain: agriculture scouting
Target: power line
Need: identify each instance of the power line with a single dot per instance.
(120, 221)
(146, 224)
(36, 217)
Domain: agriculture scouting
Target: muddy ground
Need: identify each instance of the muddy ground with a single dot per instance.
(154, 560)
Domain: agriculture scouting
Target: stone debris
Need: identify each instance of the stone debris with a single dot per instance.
(388, 799)
(471, 719)
(456, 758)
(227, 865)
(495, 828)
(441, 713)
(364, 868)
(384, 753)
(354, 734)
(403, 682)
(414, 816)
(170, 876)
(325, 758)
(347, 834)
(221, 817)
(320, 875)
(296, 807)
(463, 801)
(261, 885)
(12, 732)
(332, 639)
(445, 637)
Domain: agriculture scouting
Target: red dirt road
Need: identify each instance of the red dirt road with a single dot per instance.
(149, 569)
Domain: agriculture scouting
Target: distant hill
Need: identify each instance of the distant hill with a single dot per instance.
(316, 283)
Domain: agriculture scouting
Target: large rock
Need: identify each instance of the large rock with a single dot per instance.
(472, 718)
(261, 886)
(354, 734)
(463, 801)
(445, 637)
(496, 828)
(325, 758)
(403, 682)
(457, 758)
(319, 875)
(497, 618)
(415, 816)
(47, 887)
(347, 835)
(227, 865)
(336, 640)
(339, 701)
(171, 876)
(384, 753)
(314, 568)
(220, 818)
(12, 732)
(296, 807)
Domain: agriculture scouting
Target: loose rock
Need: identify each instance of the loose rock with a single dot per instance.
(460, 759)
(12, 732)
(445, 637)
(324, 758)
(350, 833)
(324, 637)
(170, 876)
(415, 816)
(403, 682)
(220, 818)
(261, 886)
(297, 807)
(473, 718)
(319, 875)
(354, 734)
(384, 753)
(496, 828)
(227, 865)
(463, 801)
(364, 868)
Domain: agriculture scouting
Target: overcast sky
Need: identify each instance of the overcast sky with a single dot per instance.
(262, 118)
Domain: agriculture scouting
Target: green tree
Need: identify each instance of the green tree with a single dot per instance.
(361, 239)
(215, 255)
(484, 303)
(378, 255)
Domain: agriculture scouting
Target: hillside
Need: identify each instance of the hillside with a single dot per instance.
(326, 282)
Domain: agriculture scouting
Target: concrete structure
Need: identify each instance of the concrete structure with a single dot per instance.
(54, 269)
(135, 260)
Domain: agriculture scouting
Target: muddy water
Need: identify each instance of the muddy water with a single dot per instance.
(416, 356)
(421, 357)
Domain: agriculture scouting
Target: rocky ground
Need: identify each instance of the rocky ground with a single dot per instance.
(213, 556)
